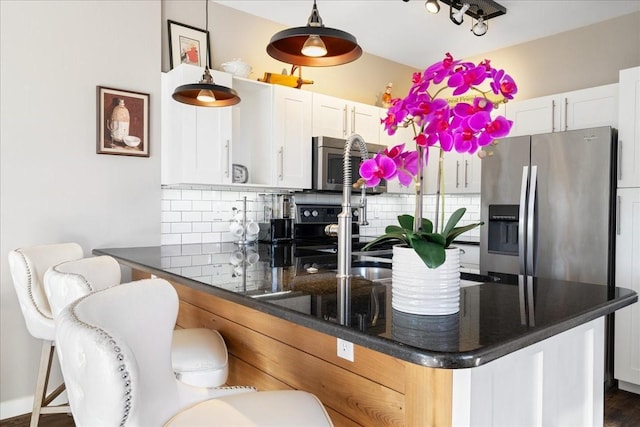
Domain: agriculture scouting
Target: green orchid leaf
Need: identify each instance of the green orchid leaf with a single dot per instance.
(453, 220)
(385, 238)
(427, 226)
(394, 229)
(432, 254)
(460, 230)
(406, 221)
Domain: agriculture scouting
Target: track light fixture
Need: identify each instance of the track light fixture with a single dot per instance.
(479, 10)
(314, 45)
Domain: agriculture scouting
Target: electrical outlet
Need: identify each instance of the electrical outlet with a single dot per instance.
(345, 350)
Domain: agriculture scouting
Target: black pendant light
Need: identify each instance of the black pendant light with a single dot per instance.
(314, 45)
(206, 93)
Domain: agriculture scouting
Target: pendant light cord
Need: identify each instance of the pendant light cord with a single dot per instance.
(206, 48)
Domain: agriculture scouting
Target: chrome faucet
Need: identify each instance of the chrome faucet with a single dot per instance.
(344, 228)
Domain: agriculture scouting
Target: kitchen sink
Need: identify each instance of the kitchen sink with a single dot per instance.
(371, 270)
(375, 274)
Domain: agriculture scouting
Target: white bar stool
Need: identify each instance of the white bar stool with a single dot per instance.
(199, 355)
(114, 348)
(27, 266)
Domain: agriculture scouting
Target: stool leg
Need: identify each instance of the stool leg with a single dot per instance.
(40, 398)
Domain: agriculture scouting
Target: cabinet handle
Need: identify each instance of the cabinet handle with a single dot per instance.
(353, 120)
(457, 174)
(226, 159)
(619, 159)
(553, 115)
(466, 168)
(344, 121)
(618, 203)
(281, 166)
(566, 113)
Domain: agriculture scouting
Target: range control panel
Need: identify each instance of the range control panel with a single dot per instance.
(321, 214)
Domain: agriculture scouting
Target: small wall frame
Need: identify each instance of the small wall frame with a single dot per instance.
(123, 122)
(188, 45)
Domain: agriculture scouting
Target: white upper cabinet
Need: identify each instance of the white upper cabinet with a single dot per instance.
(272, 134)
(629, 129)
(533, 116)
(292, 137)
(340, 118)
(196, 141)
(597, 106)
(265, 139)
(461, 173)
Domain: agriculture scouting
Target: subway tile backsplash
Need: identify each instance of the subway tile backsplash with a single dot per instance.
(197, 214)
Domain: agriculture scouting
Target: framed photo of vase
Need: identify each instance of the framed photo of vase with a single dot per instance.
(123, 122)
(188, 45)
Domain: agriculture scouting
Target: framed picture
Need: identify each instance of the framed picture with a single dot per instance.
(123, 122)
(188, 45)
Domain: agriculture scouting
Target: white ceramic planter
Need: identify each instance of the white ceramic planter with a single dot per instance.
(418, 289)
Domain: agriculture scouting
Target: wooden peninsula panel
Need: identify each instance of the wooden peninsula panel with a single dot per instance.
(271, 353)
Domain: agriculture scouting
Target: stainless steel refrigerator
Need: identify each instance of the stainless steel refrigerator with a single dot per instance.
(548, 208)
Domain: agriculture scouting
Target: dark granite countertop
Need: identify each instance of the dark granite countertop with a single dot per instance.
(495, 318)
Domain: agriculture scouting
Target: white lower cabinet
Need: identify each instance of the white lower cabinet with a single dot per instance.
(554, 382)
(627, 320)
(469, 256)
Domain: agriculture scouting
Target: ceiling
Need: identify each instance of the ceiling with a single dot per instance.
(405, 32)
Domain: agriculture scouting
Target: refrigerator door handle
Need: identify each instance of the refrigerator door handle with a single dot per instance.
(531, 220)
(522, 218)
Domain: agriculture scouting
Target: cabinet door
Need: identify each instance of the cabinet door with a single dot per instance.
(629, 128)
(206, 146)
(292, 137)
(627, 320)
(461, 173)
(471, 173)
(453, 165)
(340, 118)
(593, 107)
(533, 116)
(196, 142)
(330, 116)
(365, 121)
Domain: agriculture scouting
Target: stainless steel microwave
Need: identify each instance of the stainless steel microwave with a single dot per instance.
(327, 171)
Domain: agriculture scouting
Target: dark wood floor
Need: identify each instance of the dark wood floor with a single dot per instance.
(621, 409)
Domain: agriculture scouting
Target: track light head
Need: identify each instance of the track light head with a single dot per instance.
(458, 16)
(480, 27)
(432, 6)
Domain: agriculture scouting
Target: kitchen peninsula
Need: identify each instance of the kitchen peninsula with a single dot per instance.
(525, 353)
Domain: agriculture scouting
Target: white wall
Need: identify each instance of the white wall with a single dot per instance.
(54, 187)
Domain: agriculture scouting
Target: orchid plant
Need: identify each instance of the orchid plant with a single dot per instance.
(463, 126)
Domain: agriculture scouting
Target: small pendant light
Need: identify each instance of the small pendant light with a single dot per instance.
(206, 93)
(314, 45)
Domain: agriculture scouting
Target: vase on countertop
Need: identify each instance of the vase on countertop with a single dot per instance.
(418, 289)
